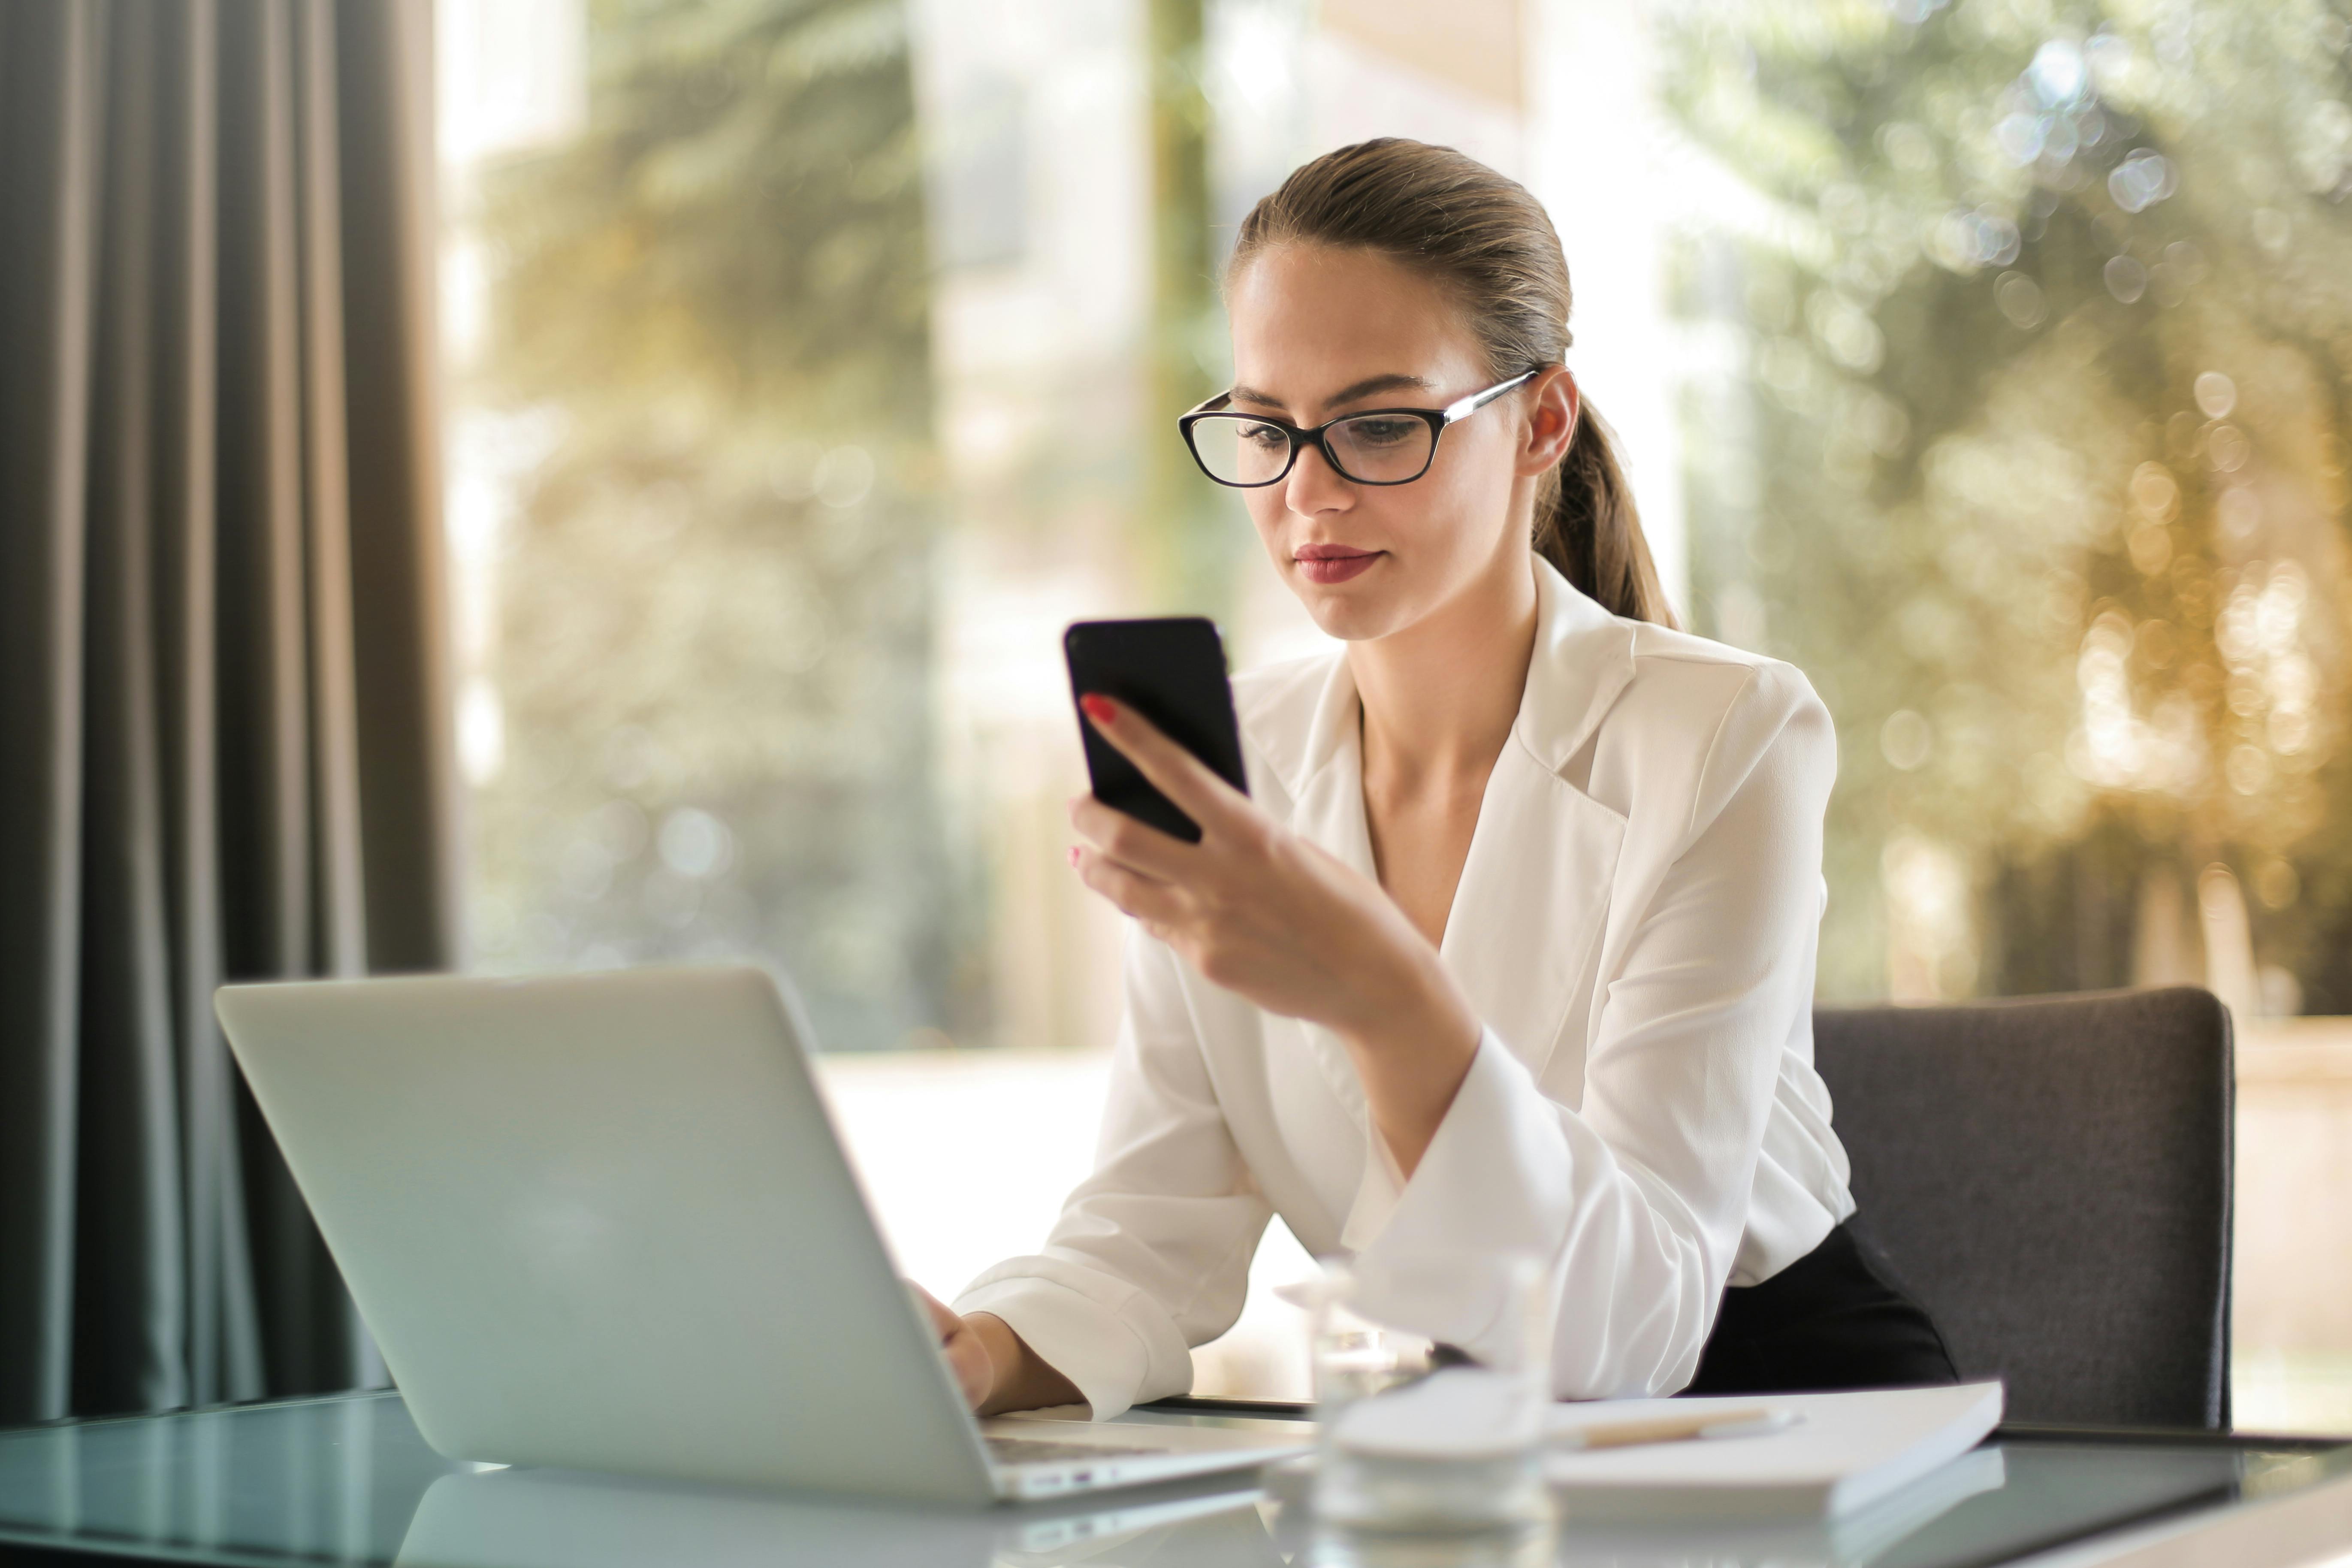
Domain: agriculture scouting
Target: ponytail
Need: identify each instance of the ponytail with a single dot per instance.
(1491, 243)
(1586, 525)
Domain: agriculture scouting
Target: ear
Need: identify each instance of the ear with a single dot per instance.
(1554, 405)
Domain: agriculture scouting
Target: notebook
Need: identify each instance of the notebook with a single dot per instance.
(1845, 1452)
(1855, 1539)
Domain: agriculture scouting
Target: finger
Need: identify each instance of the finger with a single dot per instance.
(1136, 845)
(1176, 773)
(1141, 897)
(944, 1320)
(975, 1374)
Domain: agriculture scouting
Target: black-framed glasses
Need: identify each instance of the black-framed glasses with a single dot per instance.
(1373, 447)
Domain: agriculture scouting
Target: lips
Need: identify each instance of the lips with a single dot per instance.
(1333, 563)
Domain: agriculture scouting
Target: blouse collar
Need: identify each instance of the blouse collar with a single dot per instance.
(1583, 659)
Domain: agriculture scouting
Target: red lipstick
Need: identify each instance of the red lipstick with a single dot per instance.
(1333, 563)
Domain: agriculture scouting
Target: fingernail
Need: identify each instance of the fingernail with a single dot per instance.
(1099, 709)
(1074, 853)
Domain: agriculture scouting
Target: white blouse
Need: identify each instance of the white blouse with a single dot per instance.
(1635, 922)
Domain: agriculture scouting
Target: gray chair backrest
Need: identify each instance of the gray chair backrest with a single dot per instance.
(2050, 1178)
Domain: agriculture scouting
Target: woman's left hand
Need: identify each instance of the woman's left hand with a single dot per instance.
(1281, 923)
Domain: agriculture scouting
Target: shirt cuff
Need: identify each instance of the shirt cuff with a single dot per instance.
(1059, 1313)
(1377, 1193)
(1498, 1175)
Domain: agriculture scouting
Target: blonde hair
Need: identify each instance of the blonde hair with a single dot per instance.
(1487, 240)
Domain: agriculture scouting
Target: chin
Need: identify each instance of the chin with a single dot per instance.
(1354, 618)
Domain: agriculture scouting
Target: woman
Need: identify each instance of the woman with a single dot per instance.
(1512, 943)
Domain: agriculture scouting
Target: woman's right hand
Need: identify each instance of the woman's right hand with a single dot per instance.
(995, 1369)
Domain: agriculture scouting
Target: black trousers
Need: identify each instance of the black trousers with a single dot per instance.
(1831, 1319)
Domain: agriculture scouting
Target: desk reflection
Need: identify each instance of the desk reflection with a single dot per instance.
(544, 1518)
(1860, 1539)
(541, 1519)
(348, 1482)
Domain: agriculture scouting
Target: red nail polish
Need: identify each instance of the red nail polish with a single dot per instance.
(1098, 707)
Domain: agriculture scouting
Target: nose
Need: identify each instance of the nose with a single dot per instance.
(1314, 486)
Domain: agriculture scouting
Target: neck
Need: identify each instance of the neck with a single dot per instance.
(1440, 697)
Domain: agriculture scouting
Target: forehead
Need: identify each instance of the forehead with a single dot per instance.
(1309, 320)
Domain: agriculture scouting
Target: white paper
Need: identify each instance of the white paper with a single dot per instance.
(1849, 1450)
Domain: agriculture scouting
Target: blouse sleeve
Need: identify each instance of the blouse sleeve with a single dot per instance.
(1639, 1198)
(1152, 1253)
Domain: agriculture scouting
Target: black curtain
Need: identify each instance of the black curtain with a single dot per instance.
(223, 746)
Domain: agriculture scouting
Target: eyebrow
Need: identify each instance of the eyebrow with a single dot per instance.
(1394, 380)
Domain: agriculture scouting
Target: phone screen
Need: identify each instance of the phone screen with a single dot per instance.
(1170, 670)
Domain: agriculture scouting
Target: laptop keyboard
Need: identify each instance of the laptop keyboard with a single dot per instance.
(1039, 1451)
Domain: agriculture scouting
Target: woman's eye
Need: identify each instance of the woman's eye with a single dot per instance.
(1383, 432)
(1266, 437)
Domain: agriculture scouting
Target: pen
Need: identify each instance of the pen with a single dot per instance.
(1677, 1429)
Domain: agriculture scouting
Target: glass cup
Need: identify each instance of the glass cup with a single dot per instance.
(1431, 1381)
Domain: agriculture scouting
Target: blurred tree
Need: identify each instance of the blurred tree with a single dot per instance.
(1189, 537)
(710, 339)
(2035, 463)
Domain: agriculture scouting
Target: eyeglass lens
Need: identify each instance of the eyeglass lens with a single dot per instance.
(1378, 449)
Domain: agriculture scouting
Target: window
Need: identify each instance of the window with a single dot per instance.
(814, 363)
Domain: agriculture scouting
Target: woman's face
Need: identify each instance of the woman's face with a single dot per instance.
(1319, 332)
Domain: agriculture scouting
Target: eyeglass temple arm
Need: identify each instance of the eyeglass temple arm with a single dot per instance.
(1462, 408)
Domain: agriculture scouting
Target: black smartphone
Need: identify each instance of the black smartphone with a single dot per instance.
(1170, 670)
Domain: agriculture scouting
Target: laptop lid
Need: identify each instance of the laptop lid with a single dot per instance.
(604, 1221)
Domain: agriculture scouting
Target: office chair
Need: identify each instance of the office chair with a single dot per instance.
(2050, 1178)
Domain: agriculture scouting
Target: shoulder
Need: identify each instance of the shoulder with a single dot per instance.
(1710, 715)
(1655, 700)
(1679, 677)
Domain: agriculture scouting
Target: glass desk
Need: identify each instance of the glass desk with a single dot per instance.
(347, 1480)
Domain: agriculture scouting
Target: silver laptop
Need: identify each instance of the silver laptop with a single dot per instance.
(604, 1221)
